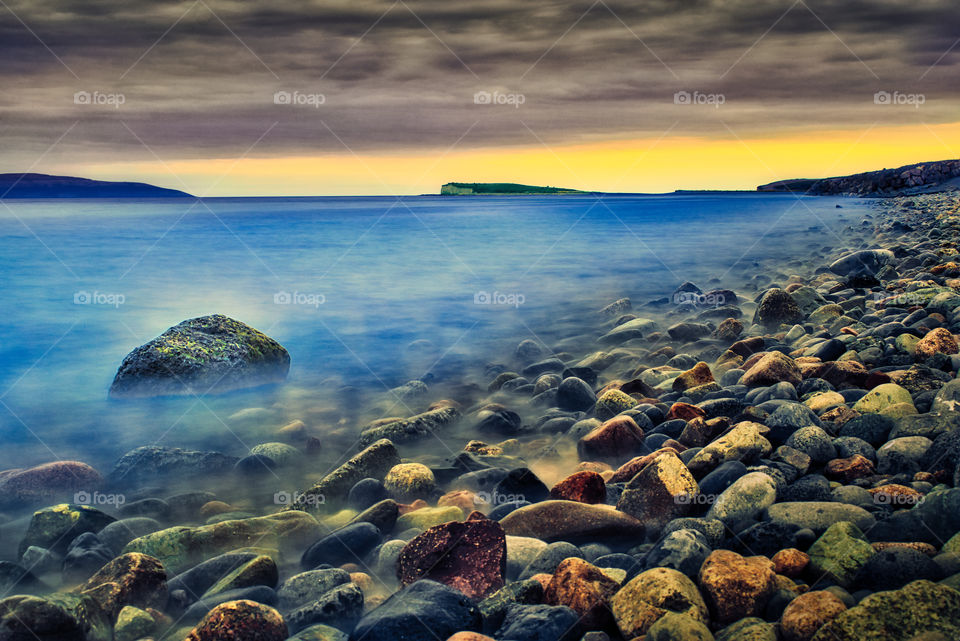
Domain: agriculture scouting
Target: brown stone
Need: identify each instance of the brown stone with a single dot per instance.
(839, 415)
(807, 613)
(790, 562)
(554, 520)
(593, 466)
(896, 495)
(405, 508)
(837, 373)
(630, 469)
(470, 556)
(849, 469)
(48, 482)
(772, 368)
(729, 330)
(469, 636)
(583, 487)
(584, 589)
(696, 376)
(748, 346)
(685, 411)
(130, 579)
(463, 499)
(240, 620)
(735, 586)
(660, 492)
(618, 438)
(937, 341)
(543, 578)
(696, 434)
(652, 594)
(923, 548)
(637, 387)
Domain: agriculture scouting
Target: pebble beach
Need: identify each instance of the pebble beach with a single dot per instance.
(775, 459)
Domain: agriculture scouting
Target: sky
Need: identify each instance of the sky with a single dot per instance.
(223, 97)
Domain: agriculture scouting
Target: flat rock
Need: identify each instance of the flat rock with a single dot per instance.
(568, 520)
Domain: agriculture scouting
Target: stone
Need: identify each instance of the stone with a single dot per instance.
(894, 567)
(574, 394)
(55, 527)
(616, 439)
(740, 504)
(422, 611)
(242, 619)
(540, 623)
(613, 402)
(55, 617)
(869, 260)
(777, 307)
(819, 515)
(814, 442)
(745, 442)
(49, 483)
(652, 594)
(840, 552)
(936, 341)
(181, 547)
(494, 608)
(698, 375)
(349, 544)
(661, 491)
(522, 485)
(260, 570)
(340, 607)
(584, 589)
(683, 550)
(84, 556)
(130, 579)
(470, 556)
(582, 487)
(678, 627)
(735, 586)
(772, 368)
(408, 481)
(882, 397)
(321, 632)
(568, 520)
(790, 562)
(258, 594)
(414, 428)
(154, 463)
(849, 469)
(920, 607)
(210, 354)
(807, 613)
(133, 623)
(374, 462)
(427, 517)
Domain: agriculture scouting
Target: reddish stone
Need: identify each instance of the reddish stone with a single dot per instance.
(629, 469)
(403, 508)
(849, 469)
(923, 548)
(748, 346)
(463, 499)
(130, 579)
(246, 620)
(696, 433)
(638, 387)
(896, 495)
(808, 613)
(470, 556)
(937, 341)
(584, 589)
(675, 445)
(582, 487)
(616, 439)
(543, 578)
(470, 636)
(736, 587)
(685, 411)
(48, 482)
(790, 562)
(837, 373)
(593, 466)
(696, 376)
(839, 415)
(729, 329)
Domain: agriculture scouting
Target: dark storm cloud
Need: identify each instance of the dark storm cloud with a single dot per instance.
(199, 78)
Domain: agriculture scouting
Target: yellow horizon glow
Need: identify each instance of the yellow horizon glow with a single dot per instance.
(641, 165)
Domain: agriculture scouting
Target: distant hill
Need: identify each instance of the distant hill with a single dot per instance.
(44, 186)
(926, 177)
(501, 189)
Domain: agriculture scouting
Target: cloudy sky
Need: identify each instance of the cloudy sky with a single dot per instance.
(225, 97)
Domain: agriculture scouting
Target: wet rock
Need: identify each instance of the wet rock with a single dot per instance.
(882, 397)
(584, 589)
(849, 469)
(307, 587)
(84, 556)
(894, 567)
(426, 517)
(258, 594)
(347, 545)
(661, 491)
(48, 483)
(814, 442)
(321, 632)
(55, 527)
(678, 627)
(636, 328)
(872, 428)
(423, 611)
(777, 307)
(340, 607)
(243, 619)
(495, 607)
(745, 442)
(613, 402)
(260, 570)
(198, 579)
(652, 594)
(129, 579)
(498, 421)
(734, 586)
(405, 430)
(568, 521)
(840, 552)
(408, 481)
(367, 492)
(539, 623)
(807, 613)
(56, 617)
(179, 548)
(772, 368)
(937, 341)
(372, 462)
(575, 394)
(154, 463)
(790, 562)
(700, 374)
(582, 487)
(683, 550)
(210, 354)
(523, 485)
(616, 439)
(548, 558)
(469, 556)
(738, 505)
(819, 515)
(919, 607)
(133, 623)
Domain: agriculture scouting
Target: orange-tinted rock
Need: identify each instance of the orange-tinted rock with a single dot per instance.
(583, 487)
(616, 439)
(660, 492)
(896, 495)
(470, 556)
(735, 586)
(685, 411)
(469, 636)
(47, 482)
(463, 499)
(837, 373)
(937, 341)
(543, 578)
(696, 376)
(696, 433)
(923, 548)
(130, 579)
(629, 469)
(839, 415)
(404, 508)
(790, 562)
(771, 369)
(240, 620)
(729, 330)
(849, 469)
(807, 613)
(584, 589)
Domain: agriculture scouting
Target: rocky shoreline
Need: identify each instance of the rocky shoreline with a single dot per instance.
(779, 465)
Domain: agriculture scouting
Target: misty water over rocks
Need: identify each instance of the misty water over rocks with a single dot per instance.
(540, 418)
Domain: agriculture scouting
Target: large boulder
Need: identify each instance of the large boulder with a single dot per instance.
(56, 617)
(210, 354)
(652, 594)
(48, 483)
(662, 491)
(422, 611)
(736, 586)
(242, 619)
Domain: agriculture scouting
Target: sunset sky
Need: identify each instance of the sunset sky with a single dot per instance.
(377, 97)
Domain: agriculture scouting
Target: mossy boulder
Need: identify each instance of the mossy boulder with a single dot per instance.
(133, 623)
(210, 354)
(56, 616)
(840, 553)
(56, 526)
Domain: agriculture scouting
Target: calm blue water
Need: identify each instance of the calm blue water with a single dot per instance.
(85, 282)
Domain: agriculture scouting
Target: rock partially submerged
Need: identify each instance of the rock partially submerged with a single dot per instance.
(210, 354)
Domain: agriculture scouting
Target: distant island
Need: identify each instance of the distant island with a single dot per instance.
(919, 178)
(501, 189)
(44, 186)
